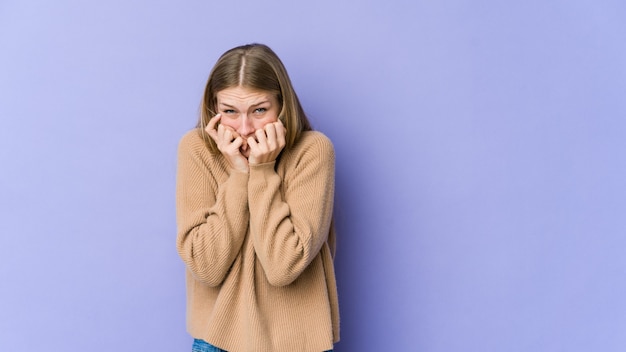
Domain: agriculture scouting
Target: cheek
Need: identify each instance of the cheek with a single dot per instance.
(232, 123)
(261, 123)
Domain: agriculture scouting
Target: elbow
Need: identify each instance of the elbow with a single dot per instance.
(281, 280)
(209, 279)
(284, 275)
(283, 267)
(208, 274)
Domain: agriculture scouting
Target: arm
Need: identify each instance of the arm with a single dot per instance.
(212, 214)
(288, 231)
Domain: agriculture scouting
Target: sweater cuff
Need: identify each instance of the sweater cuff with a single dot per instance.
(238, 177)
(265, 167)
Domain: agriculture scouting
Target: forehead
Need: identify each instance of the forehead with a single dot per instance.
(243, 95)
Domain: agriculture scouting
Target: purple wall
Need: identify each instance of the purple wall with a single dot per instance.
(481, 168)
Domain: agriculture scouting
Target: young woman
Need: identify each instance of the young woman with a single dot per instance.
(254, 205)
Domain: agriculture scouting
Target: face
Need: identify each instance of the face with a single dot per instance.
(246, 110)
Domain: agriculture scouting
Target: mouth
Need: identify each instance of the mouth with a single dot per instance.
(244, 149)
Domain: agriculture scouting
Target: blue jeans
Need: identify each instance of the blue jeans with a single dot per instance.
(203, 346)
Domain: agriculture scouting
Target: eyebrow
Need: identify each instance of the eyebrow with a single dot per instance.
(253, 105)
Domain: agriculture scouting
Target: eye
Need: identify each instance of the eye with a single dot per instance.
(260, 110)
(228, 111)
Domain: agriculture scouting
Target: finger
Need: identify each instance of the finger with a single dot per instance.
(228, 135)
(261, 137)
(280, 123)
(235, 133)
(270, 132)
(212, 122)
(252, 143)
(237, 143)
(281, 132)
(223, 137)
(220, 133)
(211, 129)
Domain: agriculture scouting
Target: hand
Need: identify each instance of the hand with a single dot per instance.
(269, 142)
(228, 142)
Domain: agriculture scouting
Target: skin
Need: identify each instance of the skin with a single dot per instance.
(247, 130)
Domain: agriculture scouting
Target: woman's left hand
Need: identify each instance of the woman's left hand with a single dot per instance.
(269, 142)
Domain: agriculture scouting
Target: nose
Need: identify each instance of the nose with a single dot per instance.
(245, 128)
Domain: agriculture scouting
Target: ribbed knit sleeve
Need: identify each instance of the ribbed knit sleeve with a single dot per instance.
(289, 227)
(211, 211)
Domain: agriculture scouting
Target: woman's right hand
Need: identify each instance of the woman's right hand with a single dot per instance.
(228, 142)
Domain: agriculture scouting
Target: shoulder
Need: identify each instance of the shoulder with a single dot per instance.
(193, 143)
(313, 149)
(192, 148)
(191, 140)
(314, 141)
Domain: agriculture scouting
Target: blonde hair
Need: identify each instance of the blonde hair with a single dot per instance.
(255, 66)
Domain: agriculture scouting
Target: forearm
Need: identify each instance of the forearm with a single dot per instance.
(288, 231)
(211, 211)
(210, 237)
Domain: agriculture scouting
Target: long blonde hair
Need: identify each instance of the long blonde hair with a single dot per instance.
(255, 66)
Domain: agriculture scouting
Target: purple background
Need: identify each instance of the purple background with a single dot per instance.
(481, 167)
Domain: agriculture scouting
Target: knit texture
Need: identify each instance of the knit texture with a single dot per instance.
(259, 248)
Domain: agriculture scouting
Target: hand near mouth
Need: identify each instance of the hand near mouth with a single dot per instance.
(267, 143)
(229, 142)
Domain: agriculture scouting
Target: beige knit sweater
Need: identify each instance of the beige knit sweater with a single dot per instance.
(258, 248)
